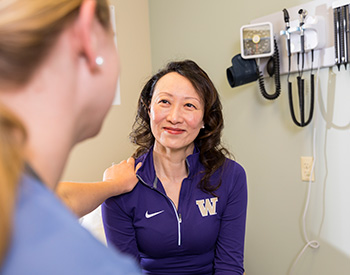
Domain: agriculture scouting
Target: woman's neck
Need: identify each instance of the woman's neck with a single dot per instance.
(48, 120)
(171, 164)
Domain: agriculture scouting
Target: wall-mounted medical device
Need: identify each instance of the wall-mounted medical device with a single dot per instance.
(242, 71)
(341, 19)
(300, 33)
(304, 41)
(257, 41)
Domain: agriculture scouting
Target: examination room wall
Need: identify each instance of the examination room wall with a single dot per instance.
(90, 158)
(265, 141)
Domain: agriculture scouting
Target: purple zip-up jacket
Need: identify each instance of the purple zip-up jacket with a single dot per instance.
(205, 235)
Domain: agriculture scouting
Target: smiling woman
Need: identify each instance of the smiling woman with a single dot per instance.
(187, 213)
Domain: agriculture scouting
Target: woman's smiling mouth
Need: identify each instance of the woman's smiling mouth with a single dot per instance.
(173, 131)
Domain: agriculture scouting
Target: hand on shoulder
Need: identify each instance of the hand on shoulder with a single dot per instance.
(123, 175)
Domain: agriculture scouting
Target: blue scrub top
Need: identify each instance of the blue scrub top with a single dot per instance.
(48, 239)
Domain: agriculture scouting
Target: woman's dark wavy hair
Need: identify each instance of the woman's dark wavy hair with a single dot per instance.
(212, 153)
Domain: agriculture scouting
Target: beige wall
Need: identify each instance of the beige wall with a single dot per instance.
(90, 158)
(266, 142)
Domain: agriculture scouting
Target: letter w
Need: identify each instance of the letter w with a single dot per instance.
(208, 207)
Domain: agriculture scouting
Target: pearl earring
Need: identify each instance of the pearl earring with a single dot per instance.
(99, 60)
(203, 127)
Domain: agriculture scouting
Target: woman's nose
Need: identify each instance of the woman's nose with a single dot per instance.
(175, 115)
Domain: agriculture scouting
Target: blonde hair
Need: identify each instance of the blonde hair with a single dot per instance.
(12, 137)
(28, 29)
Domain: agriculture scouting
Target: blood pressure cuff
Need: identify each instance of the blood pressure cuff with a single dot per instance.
(242, 71)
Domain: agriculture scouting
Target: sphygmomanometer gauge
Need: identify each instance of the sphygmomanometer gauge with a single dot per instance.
(257, 40)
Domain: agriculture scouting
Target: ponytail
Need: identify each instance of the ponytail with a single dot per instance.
(12, 138)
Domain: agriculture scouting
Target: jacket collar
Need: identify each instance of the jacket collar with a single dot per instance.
(147, 174)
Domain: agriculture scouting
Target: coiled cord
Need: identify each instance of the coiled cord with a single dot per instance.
(301, 94)
(276, 64)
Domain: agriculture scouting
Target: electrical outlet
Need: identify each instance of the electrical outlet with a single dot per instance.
(306, 167)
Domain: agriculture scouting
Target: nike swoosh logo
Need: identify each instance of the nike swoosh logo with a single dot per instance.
(147, 215)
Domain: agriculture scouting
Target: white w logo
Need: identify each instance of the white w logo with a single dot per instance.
(208, 207)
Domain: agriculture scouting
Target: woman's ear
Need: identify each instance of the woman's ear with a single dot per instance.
(85, 29)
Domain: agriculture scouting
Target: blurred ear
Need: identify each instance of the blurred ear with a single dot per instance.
(85, 29)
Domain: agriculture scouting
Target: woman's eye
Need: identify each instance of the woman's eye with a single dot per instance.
(190, 105)
(164, 101)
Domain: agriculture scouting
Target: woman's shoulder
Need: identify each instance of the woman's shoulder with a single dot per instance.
(232, 166)
(233, 175)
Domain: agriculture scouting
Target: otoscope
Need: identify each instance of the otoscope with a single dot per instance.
(286, 20)
(300, 81)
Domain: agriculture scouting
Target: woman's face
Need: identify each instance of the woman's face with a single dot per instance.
(176, 113)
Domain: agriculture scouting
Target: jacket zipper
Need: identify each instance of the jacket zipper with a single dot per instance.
(178, 216)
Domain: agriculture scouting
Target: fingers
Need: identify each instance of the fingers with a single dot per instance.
(131, 162)
(138, 166)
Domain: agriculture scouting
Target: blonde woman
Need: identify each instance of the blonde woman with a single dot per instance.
(58, 71)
